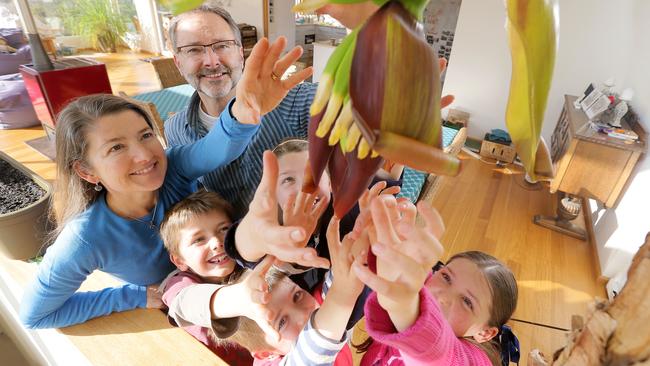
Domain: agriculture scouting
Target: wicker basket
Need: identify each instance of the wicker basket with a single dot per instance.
(167, 72)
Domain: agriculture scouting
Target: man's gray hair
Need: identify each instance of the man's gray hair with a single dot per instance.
(205, 8)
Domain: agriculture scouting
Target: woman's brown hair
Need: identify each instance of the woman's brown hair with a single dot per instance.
(72, 195)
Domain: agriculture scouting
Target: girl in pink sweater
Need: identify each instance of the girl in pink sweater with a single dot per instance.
(451, 317)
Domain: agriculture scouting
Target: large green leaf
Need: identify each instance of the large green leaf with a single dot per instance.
(533, 34)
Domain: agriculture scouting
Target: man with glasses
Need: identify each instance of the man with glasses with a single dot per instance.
(208, 52)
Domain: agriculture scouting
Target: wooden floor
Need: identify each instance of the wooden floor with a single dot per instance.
(128, 72)
(490, 209)
(483, 208)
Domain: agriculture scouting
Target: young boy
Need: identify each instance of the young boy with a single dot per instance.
(211, 293)
(193, 232)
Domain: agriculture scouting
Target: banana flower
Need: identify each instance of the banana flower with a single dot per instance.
(378, 97)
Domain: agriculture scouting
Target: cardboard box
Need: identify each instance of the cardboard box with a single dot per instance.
(501, 152)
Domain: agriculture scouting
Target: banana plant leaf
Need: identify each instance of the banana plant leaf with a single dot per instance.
(533, 31)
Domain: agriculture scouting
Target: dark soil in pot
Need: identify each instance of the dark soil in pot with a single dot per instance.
(16, 189)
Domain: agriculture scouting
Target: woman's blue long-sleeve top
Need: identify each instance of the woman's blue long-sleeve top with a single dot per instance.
(130, 250)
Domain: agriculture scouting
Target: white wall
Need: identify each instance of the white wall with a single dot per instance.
(247, 11)
(598, 39)
(284, 23)
(479, 67)
(620, 231)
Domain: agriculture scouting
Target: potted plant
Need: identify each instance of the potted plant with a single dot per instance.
(24, 201)
(99, 20)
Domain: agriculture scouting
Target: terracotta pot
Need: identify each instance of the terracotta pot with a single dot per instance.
(22, 232)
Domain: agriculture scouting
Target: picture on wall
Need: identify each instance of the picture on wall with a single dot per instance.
(439, 22)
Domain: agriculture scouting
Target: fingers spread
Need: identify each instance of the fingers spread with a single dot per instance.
(265, 195)
(432, 219)
(297, 77)
(383, 219)
(255, 60)
(272, 56)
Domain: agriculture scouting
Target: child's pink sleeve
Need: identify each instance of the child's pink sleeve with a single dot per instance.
(429, 341)
(188, 302)
(175, 282)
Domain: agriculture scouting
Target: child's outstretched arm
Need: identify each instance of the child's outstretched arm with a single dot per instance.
(405, 255)
(333, 315)
(401, 313)
(219, 306)
(324, 334)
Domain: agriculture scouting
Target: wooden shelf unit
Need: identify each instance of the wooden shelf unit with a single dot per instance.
(591, 164)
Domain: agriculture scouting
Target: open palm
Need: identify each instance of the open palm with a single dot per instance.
(261, 88)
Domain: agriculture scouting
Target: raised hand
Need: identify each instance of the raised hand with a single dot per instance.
(259, 232)
(333, 315)
(304, 210)
(405, 254)
(252, 295)
(364, 203)
(261, 87)
(342, 257)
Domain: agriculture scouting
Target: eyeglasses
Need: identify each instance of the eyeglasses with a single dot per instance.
(221, 48)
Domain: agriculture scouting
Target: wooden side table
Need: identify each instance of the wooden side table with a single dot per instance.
(589, 164)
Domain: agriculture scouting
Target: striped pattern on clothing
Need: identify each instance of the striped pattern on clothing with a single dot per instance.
(236, 182)
(312, 348)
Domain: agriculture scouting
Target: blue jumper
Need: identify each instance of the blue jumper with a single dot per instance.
(98, 239)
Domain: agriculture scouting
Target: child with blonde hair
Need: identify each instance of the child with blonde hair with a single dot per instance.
(309, 211)
(192, 232)
(208, 294)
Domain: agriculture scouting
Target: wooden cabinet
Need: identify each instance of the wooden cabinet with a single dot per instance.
(590, 164)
